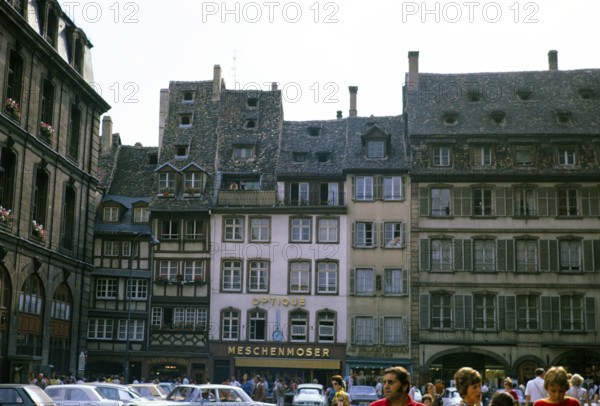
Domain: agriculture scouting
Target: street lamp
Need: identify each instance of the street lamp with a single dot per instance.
(129, 291)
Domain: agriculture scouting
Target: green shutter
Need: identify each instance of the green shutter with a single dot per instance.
(550, 313)
(352, 281)
(353, 187)
(590, 314)
(424, 255)
(467, 255)
(424, 312)
(588, 255)
(377, 187)
(507, 312)
(458, 255)
(424, 201)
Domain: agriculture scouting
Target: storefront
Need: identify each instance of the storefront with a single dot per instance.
(366, 371)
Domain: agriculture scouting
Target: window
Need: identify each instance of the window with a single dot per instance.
(329, 193)
(376, 149)
(484, 255)
(111, 214)
(194, 230)
(328, 230)
(527, 256)
(7, 177)
(14, 80)
(441, 156)
(482, 155)
(393, 234)
(440, 201)
(74, 132)
(78, 52)
(188, 97)
(364, 281)
(525, 201)
(126, 249)
(395, 281)
(364, 330)
(392, 188)
(441, 311)
(567, 156)
(100, 329)
(300, 156)
(135, 330)
(252, 101)
(233, 229)
(570, 255)
(298, 326)
(40, 197)
(300, 230)
(61, 304)
(528, 308)
(300, 277)
(392, 331)
(327, 277)
(106, 288)
(260, 229)
(31, 299)
(194, 271)
(185, 121)
(137, 289)
(47, 105)
(67, 235)
(257, 325)
(231, 276)
(166, 182)
(169, 229)
(250, 123)
(365, 235)
(524, 155)
(325, 327)
(168, 270)
(314, 131)
(323, 156)
(485, 312)
(571, 313)
(181, 151)
(567, 202)
(299, 193)
(258, 278)
(230, 325)
(482, 202)
(243, 152)
(141, 214)
(111, 248)
(363, 188)
(192, 182)
(442, 255)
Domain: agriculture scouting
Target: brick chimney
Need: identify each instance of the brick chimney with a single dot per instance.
(413, 71)
(216, 93)
(338, 114)
(163, 110)
(553, 60)
(106, 140)
(274, 86)
(353, 90)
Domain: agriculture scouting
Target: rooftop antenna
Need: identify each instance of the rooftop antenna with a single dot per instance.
(234, 68)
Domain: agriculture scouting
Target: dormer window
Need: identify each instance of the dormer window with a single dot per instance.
(192, 183)
(474, 95)
(586, 93)
(323, 156)
(181, 151)
(300, 156)
(525, 94)
(250, 123)
(450, 118)
(185, 121)
(243, 152)
(376, 149)
(141, 214)
(563, 117)
(188, 96)
(314, 131)
(252, 101)
(567, 156)
(111, 214)
(498, 117)
(51, 26)
(78, 55)
(166, 182)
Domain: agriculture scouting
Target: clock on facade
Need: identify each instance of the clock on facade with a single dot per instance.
(277, 335)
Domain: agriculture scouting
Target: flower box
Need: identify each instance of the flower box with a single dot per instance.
(38, 231)
(47, 131)
(6, 217)
(12, 107)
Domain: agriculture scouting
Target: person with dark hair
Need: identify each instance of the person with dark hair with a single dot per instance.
(468, 385)
(508, 388)
(396, 385)
(341, 397)
(535, 387)
(501, 398)
(556, 383)
(427, 400)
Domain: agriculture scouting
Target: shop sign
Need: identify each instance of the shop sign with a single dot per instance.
(279, 301)
(265, 351)
(377, 350)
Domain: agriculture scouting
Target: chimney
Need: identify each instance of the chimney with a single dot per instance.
(413, 71)
(106, 140)
(216, 95)
(274, 86)
(163, 110)
(353, 91)
(339, 114)
(553, 60)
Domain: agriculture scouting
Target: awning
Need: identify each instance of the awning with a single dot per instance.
(288, 363)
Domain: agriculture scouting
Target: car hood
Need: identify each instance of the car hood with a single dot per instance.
(308, 398)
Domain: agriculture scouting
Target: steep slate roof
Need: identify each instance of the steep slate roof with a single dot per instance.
(106, 163)
(553, 91)
(125, 225)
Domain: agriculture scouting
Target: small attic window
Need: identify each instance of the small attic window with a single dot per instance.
(450, 118)
(586, 93)
(498, 117)
(300, 156)
(185, 121)
(323, 156)
(563, 117)
(188, 97)
(524, 94)
(181, 151)
(153, 158)
(473, 96)
(314, 131)
(250, 123)
(252, 101)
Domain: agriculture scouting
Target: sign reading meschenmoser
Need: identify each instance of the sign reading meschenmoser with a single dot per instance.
(265, 351)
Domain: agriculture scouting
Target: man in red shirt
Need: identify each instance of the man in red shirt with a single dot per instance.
(396, 384)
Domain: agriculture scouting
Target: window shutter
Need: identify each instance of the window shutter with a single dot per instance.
(588, 255)
(550, 313)
(353, 187)
(354, 234)
(507, 312)
(381, 330)
(590, 314)
(352, 330)
(375, 234)
(467, 255)
(544, 255)
(404, 331)
(552, 211)
(404, 288)
(352, 281)
(381, 236)
(504, 201)
(424, 255)
(547, 201)
(424, 311)
(590, 201)
(596, 245)
(377, 187)
(553, 255)
(424, 201)
(506, 260)
(458, 255)
(402, 187)
(466, 201)
(402, 236)
(463, 312)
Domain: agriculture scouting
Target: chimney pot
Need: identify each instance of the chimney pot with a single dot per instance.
(274, 86)
(216, 96)
(106, 140)
(553, 60)
(353, 90)
(339, 114)
(413, 71)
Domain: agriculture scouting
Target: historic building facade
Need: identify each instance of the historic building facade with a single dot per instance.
(49, 123)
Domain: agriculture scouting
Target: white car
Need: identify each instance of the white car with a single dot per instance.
(451, 397)
(150, 390)
(310, 394)
(78, 394)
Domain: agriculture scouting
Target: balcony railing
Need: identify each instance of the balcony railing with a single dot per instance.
(247, 198)
(333, 200)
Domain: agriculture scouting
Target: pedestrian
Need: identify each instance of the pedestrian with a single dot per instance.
(340, 398)
(280, 388)
(247, 385)
(259, 393)
(396, 385)
(577, 392)
(468, 385)
(427, 400)
(233, 381)
(535, 388)
(379, 388)
(556, 383)
(431, 391)
(185, 380)
(501, 398)
(508, 387)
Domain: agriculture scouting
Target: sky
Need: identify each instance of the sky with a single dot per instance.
(316, 49)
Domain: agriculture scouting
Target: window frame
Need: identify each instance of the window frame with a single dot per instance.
(232, 275)
(364, 188)
(231, 225)
(106, 288)
(230, 325)
(435, 201)
(300, 230)
(299, 277)
(258, 231)
(327, 277)
(330, 226)
(441, 156)
(376, 149)
(259, 272)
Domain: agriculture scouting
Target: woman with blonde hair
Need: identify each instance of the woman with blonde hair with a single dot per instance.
(556, 383)
(577, 392)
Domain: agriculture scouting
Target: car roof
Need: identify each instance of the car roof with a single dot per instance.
(206, 386)
(310, 385)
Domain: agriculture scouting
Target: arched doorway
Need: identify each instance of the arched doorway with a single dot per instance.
(5, 300)
(444, 366)
(581, 361)
(60, 329)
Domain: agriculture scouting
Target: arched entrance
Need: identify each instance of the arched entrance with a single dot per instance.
(167, 372)
(444, 366)
(581, 361)
(5, 300)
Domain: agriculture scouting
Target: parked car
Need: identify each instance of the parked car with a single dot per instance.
(78, 394)
(151, 390)
(416, 395)
(519, 393)
(24, 395)
(127, 395)
(217, 395)
(362, 395)
(451, 397)
(310, 394)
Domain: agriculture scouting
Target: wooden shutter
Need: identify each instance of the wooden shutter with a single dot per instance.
(504, 201)
(424, 318)
(377, 187)
(590, 314)
(547, 201)
(424, 201)
(550, 313)
(463, 312)
(352, 281)
(381, 330)
(507, 312)
(506, 255)
(588, 256)
(424, 255)
(353, 187)
(590, 201)
(352, 330)
(462, 201)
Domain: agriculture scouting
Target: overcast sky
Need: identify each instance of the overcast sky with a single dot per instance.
(315, 49)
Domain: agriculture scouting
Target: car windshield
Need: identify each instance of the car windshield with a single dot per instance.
(38, 395)
(308, 391)
(362, 390)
